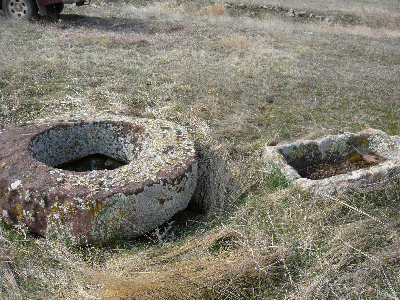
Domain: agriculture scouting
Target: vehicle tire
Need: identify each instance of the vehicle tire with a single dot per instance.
(20, 9)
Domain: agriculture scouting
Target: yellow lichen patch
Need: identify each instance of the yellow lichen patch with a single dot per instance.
(61, 211)
(17, 209)
(4, 164)
(95, 209)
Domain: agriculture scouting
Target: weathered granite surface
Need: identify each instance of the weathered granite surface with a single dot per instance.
(98, 206)
(293, 156)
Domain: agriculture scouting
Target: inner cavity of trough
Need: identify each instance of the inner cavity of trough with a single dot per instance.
(355, 160)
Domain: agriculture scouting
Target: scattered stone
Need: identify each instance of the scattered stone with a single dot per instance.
(301, 14)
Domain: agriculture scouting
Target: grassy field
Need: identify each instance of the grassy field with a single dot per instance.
(239, 77)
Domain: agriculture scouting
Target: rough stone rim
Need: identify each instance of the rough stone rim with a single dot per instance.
(42, 152)
(163, 165)
(379, 141)
(168, 166)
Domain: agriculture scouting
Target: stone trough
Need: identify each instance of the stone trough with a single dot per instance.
(301, 160)
(155, 177)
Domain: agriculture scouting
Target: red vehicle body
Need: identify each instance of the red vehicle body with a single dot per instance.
(26, 9)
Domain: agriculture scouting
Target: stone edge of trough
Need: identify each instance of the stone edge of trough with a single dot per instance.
(388, 146)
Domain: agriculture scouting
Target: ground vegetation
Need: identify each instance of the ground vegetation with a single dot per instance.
(239, 75)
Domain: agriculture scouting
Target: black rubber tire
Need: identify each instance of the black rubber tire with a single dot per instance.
(20, 9)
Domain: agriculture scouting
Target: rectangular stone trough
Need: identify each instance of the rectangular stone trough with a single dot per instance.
(338, 162)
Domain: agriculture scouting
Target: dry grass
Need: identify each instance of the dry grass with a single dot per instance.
(237, 82)
(32, 268)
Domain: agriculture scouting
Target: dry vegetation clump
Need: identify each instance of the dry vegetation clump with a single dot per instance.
(278, 243)
(237, 81)
(199, 9)
(371, 13)
(333, 245)
(34, 268)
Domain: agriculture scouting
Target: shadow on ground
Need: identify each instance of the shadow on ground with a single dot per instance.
(118, 24)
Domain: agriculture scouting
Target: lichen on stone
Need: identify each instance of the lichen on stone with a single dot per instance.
(98, 206)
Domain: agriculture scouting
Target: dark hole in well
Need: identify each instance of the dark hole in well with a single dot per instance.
(92, 162)
(355, 160)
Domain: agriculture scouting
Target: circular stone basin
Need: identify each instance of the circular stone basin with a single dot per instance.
(155, 179)
(376, 153)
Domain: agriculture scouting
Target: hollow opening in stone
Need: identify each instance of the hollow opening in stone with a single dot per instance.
(352, 162)
(86, 146)
(92, 162)
(331, 156)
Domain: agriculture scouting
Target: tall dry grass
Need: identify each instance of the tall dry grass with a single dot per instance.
(237, 82)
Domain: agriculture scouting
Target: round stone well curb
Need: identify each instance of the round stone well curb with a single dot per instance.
(289, 158)
(98, 206)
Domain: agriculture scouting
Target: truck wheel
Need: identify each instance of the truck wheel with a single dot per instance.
(20, 9)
